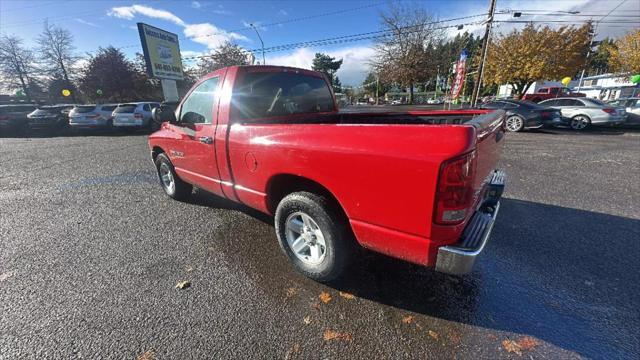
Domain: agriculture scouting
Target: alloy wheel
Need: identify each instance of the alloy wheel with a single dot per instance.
(305, 239)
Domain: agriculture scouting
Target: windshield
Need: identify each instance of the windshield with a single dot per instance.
(108, 107)
(597, 102)
(125, 108)
(84, 109)
(266, 94)
(48, 110)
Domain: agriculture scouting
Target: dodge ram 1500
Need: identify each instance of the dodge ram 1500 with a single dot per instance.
(416, 185)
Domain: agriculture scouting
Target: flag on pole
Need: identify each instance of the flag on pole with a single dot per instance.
(460, 71)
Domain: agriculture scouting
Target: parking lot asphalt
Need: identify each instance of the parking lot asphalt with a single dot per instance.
(91, 250)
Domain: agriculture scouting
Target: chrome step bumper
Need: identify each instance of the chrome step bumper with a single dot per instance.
(458, 259)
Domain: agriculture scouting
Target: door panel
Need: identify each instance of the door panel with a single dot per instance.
(197, 124)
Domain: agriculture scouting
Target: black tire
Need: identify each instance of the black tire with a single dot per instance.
(180, 190)
(338, 241)
(515, 123)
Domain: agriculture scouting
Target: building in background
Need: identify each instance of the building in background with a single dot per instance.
(607, 86)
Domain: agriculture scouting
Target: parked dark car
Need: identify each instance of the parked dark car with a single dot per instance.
(523, 115)
(13, 118)
(632, 107)
(54, 117)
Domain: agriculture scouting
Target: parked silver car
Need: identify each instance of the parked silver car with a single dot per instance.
(580, 113)
(632, 106)
(133, 115)
(91, 116)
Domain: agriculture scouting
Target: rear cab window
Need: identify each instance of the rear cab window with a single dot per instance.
(270, 94)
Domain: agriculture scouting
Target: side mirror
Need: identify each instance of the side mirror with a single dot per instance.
(164, 113)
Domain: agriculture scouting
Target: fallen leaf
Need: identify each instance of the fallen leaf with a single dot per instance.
(307, 320)
(330, 335)
(183, 285)
(512, 346)
(324, 297)
(148, 355)
(291, 292)
(294, 350)
(528, 343)
(407, 319)
(347, 295)
(433, 334)
(5, 276)
(454, 336)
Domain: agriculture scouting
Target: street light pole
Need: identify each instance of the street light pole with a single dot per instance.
(485, 48)
(261, 42)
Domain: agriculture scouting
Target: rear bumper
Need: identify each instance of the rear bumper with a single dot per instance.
(458, 259)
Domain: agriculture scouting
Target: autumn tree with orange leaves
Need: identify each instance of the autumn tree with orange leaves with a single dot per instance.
(625, 56)
(522, 57)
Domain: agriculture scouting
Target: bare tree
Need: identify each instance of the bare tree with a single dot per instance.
(405, 55)
(227, 54)
(17, 65)
(56, 49)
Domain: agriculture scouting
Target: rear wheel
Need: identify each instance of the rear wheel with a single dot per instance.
(314, 235)
(169, 180)
(580, 122)
(515, 123)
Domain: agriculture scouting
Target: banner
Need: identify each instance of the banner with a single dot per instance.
(161, 52)
(460, 71)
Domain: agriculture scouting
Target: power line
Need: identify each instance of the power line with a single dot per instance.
(354, 37)
(566, 21)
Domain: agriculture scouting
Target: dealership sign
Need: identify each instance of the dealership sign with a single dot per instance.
(460, 71)
(161, 52)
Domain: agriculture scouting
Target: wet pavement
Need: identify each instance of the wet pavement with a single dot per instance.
(91, 250)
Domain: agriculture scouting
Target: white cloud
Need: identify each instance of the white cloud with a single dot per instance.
(209, 35)
(283, 12)
(203, 33)
(81, 21)
(355, 61)
(129, 12)
(196, 5)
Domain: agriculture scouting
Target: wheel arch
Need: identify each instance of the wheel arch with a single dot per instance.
(155, 151)
(281, 185)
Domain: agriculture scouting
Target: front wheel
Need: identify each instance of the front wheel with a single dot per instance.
(314, 235)
(580, 122)
(515, 123)
(169, 180)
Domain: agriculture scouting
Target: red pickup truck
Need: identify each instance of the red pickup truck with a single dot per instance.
(419, 185)
(551, 93)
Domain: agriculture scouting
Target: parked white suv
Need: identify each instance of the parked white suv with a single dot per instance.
(91, 116)
(133, 115)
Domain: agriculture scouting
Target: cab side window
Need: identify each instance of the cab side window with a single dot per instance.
(199, 107)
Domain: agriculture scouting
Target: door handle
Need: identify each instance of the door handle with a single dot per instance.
(205, 140)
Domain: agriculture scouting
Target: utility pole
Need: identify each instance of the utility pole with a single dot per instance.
(261, 42)
(485, 49)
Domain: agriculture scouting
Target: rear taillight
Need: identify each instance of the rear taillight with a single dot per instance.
(611, 111)
(454, 194)
(137, 116)
(545, 115)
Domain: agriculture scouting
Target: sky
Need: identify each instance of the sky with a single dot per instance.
(202, 25)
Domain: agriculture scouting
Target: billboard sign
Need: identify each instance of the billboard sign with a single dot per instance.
(161, 52)
(460, 71)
